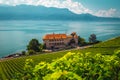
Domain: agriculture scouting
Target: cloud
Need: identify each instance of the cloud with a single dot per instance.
(73, 6)
(106, 13)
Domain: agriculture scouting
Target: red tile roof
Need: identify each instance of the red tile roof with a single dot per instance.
(54, 36)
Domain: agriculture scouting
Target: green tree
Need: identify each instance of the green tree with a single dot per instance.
(92, 38)
(81, 41)
(41, 46)
(44, 46)
(34, 45)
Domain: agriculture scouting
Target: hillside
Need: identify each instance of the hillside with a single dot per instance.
(8, 67)
(29, 12)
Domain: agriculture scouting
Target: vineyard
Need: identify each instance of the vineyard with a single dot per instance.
(9, 67)
(74, 66)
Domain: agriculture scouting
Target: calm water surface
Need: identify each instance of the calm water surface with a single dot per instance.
(15, 35)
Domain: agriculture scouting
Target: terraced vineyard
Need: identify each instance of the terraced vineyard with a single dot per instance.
(8, 67)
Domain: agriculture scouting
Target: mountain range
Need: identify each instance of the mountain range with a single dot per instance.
(29, 12)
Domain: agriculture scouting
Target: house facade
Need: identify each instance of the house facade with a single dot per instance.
(60, 41)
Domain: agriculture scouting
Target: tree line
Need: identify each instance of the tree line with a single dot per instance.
(35, 47)
(92, 40)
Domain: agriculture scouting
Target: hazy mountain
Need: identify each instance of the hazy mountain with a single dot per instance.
(28, 12)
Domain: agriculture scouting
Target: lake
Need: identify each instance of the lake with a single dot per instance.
(15, 35)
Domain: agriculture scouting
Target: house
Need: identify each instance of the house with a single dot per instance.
(60, 41)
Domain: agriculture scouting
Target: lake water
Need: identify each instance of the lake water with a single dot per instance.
(15, 35)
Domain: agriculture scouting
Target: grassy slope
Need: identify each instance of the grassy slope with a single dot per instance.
(8, 67)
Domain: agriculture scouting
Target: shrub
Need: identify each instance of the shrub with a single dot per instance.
(31, 52)
(23, 52)
(75, 66)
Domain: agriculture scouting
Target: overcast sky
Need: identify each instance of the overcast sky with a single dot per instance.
(105, 8)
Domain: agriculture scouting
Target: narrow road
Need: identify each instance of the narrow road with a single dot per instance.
(77, 48)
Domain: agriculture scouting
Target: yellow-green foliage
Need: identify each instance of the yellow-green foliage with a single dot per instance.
(75, 66)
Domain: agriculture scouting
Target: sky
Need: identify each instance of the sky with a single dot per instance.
(103, 8)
